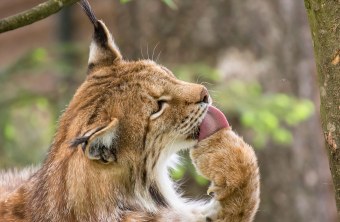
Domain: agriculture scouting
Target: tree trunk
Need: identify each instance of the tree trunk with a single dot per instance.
(324, 20)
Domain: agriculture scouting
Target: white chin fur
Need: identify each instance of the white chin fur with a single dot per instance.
(170, 160)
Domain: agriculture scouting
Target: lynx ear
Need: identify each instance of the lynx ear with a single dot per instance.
(103, 50)
(100, 143)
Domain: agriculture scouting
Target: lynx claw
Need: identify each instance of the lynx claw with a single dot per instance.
(210, 191)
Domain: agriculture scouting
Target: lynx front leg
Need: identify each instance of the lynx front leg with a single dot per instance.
(231, 165)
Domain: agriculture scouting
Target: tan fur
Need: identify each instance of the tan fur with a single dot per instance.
(109, 158)
(231, 165)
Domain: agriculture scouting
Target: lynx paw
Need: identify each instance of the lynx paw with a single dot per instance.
(226, 160)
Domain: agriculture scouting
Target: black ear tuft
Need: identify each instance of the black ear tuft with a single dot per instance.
(84, 140)
(79, 140)
(88, 10)
(99, 31)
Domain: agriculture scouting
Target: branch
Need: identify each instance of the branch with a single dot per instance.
(34, 14)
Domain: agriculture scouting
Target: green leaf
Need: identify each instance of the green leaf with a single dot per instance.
(124, 1)
(9, 132)
(282, 101)
(282, 136)
(178, 173)
(42, 103)
(201, 180)
(254, 89)
(39, 55)
(269, 120)
(300, 112)
(170, 3)
(248, 119)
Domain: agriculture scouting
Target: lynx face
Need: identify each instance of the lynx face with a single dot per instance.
(152, 111)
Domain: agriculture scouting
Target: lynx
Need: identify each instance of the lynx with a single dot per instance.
(110, 156)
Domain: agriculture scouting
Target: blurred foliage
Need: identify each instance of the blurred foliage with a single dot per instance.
(24, 132)
(266, 117)
(32, 60)
(269, 116)
(186, 167)
(34, 89)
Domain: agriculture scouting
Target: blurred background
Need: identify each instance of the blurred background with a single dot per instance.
(255, 56)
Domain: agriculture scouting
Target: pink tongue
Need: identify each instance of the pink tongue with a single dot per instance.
(212, 122)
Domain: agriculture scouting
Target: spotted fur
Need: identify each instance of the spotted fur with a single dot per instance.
(114, 144)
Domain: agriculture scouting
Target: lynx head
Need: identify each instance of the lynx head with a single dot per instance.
(131, 113)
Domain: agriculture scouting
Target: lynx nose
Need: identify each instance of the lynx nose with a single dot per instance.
(204, 96)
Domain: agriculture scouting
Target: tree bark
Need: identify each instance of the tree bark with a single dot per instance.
(324, 20)
(34, 14)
